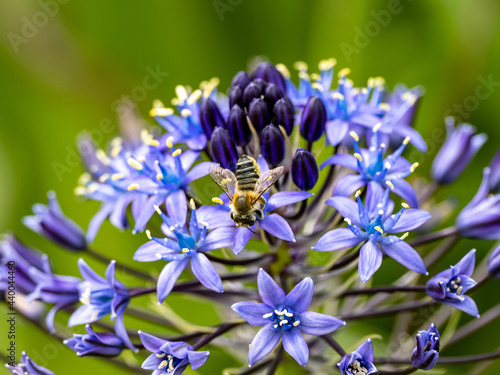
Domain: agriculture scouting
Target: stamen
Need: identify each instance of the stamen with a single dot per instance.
(133, 187)
(348, 221)
(148, 233)
(191, 203)
(218, 201)
(160, 355)
(377, 127)
(358, 156)
(380, 212)
(295, 324)
(185, 250)
(459, 279)
(266, 316)
(181, 93)
(459, 290)
(204, 223)
(405, 205)
(338, 95)
(405, 235)
(390, 184)
(387, 165)
(177, 152)
(300, 65)
(161, 112)
(406, 140)
(358, 193)
(159, 177)
(116, 176)
(317, 86)
(157, 209)
(134, 164)
(344, 72)
(170, 141)
(162, 365)
(104, 177)
(283, 70)
(353, 134)
(195, 96)
(384, 106)
(172, 228)
(186, 113)
(413, 167)
(378, 229)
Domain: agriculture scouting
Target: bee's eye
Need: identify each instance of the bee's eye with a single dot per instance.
(259, 214)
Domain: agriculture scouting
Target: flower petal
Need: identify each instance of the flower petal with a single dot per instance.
(405, 191)
(405, 254)
(336, 131)
(278, 227)
(365, 350)
(148, 251)
(467, 305)
(262, 344)
(218, 238)
(168, 277)
(215, 216)
(411, 219)
(150, 342)
(345, 160)
(271, 294)
(176, 204)
(241, 237)
(147, 211)
(198, 171)
(197, 359)
(370, 259)
(348, 184)
(252, 312)
(346, 207)
(300, 297)
(336, 239)
(284, 198)
(314, 323)
(296, 346)
(466, 265)
(205, 272)
(88, 273)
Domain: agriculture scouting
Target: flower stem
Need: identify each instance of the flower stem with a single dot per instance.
(223, 328)
(256, 368)
(408, 370)
(384, 289)
(276, 361)
(104, 259)
(392, 310)
(334, 344)
(434, 236)
(236, 262)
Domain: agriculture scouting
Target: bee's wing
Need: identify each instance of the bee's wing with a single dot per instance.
(266, 180)
(225, 179)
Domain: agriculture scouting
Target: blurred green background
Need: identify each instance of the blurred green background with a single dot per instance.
(64, 65)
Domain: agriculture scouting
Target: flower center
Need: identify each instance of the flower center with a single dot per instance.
(454, 285)
(283, 318)
(169, 362)
(357, 368)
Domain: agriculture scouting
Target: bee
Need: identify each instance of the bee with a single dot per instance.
(245, 189)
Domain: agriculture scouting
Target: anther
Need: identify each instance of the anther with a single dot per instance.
(295, 324)
(194, 97)
(413, 167)
(218, 201)
(405, 235)
(116, 176)
(134, 164)
(157, 209)
(160, 355)
(358, 156)
(266, 316)
(186, 113)
(344, 72)
(283, 70)
(148, 233)
(104, 177)
(380, 212)
(390, 184)
(358, 193)
(204, 223)
(185, 250)
(162, 365)
(181, 93)
(133, 187)
(353, 134)
(348, 221)
(191, 203)
(337, 95)
(406, 140)
(170, 141)
(405, 205)
(159, 177)
(377, 127)
(300, 65)
(161, 112)
(177, 152)
(384, 106)
(378, 229)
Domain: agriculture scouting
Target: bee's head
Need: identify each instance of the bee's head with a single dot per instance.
(242, 220)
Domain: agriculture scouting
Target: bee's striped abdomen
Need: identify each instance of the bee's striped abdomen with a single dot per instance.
(247, 173)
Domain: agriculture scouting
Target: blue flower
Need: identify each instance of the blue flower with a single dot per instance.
(368, 224)
(28, 367)
(426, 353)
(96, 344)
(352, 108)
(100, 297)
(185, 244)
(50, 222)
(372, 166)
(62, 291)
(481, 217)
(450, 285)
(461, 145)
(359, 361)
(495, 173)
(170, 357)
(285, 318)
(12, 250)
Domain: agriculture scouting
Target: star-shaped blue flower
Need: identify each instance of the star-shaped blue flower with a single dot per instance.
(369, 224)
(359, 361)
(450, 285)
(185, 244)
(284, 317)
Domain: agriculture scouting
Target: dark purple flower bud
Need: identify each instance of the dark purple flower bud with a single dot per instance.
(285, 114)
(269, 73)
(241, 79)
(494, 263)
(426, 353)
(252, 91)
(223, 149)
(460, 146)
(258, 114)
(95, 344)
(272, 145)
(495, 173)
(210, 117)
(272, 94)
(312, 124)
(237, 126)
(236, 97)
(304, 170)
(50, 222)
